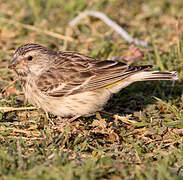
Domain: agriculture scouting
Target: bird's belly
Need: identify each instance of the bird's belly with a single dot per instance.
(82, 104)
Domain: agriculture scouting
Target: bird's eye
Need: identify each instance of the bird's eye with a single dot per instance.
(29, 58)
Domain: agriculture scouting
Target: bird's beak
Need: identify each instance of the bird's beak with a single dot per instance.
(13, 63)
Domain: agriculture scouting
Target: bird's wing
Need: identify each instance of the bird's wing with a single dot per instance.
(73, 72)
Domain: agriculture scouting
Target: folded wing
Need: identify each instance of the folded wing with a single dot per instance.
(73, 73)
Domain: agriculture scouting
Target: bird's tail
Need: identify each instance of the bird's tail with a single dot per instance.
(145, 76)
(157, 75)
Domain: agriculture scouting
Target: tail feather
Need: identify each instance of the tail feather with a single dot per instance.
(144, 76)
(160, 75)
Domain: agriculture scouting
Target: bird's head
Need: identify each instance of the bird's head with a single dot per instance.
(32, 58)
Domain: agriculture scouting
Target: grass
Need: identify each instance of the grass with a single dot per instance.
(143, 137)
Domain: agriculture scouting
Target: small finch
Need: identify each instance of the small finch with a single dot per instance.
(71, 84)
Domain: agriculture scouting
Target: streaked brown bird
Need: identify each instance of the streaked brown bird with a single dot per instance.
(71, 84)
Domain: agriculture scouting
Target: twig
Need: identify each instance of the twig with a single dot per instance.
(124, 119)
(110, 23)
(26, 138)
(33, 28)
(7, 109)
(9, 85)
(17, 130)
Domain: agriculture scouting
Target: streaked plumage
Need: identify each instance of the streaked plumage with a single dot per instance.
(69, 83)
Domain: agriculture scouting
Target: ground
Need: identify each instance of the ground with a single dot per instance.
(139, 138)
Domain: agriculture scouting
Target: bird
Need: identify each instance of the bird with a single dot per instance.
(71, 84)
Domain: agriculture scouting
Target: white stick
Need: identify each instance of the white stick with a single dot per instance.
(110, 23)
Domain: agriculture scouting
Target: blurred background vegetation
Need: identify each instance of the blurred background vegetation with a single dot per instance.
(144, 141)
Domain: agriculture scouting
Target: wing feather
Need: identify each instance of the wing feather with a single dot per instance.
(73, 72)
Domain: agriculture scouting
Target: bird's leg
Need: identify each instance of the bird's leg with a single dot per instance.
(73, 118)
(107, 113)
(67, 122)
